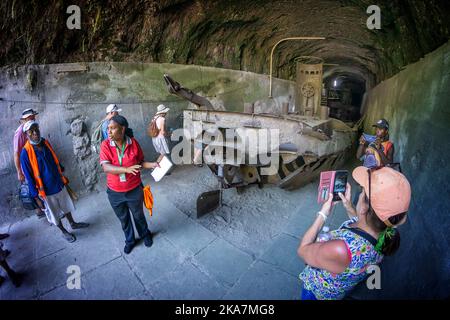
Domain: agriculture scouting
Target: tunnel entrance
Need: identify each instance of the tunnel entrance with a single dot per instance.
(345, 94)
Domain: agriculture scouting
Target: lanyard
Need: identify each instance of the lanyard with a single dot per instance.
(121, 155)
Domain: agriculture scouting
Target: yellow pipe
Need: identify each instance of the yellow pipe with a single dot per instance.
(273, 49)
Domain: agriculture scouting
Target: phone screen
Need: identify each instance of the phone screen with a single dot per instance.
(340, 183)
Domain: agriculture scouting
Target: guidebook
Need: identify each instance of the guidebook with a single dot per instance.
(164, 166)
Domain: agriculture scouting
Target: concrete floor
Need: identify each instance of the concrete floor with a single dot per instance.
(245, 250)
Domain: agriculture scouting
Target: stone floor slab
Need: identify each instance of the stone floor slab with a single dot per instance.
(283, 254)
(189, 236)
(150, 264)
(223, 261)
(63, 293)
(187, 282)
(265, 282)
(112, 281)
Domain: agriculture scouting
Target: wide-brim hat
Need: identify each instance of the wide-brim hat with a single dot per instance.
(112, 108)
(162, 109)
(28, 113)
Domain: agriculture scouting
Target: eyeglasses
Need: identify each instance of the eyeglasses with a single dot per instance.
(369, 171)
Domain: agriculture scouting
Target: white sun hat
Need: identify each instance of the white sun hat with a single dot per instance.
(162, 109)
(112, 108)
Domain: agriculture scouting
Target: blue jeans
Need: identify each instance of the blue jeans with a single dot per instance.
(308, 295)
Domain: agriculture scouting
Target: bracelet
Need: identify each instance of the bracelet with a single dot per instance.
(323, 215)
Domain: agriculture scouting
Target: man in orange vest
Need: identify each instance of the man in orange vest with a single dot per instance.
(46, 181)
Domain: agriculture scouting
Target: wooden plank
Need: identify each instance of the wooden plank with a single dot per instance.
(73, 67)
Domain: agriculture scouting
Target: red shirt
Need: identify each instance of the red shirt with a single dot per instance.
(132, 155)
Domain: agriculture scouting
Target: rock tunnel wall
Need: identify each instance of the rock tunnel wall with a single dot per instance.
(416, 104)
(70, 103)
(230, 34)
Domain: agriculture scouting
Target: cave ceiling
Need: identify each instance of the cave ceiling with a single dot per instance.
(227, 34)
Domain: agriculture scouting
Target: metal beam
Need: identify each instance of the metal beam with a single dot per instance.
(273, 49)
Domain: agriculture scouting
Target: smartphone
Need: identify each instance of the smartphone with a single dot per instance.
(340, 184)
(369, 138)
(332, 182)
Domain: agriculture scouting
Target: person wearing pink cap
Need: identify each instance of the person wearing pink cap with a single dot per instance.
(335, 266)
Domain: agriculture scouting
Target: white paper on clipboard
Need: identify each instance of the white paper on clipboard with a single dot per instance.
(159, 172)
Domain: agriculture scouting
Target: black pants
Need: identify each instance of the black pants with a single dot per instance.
(124, 203)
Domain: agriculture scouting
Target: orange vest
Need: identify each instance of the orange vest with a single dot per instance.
(386, 146)
(34, 166)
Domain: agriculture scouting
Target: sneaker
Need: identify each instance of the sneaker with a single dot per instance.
(148, 241)
(128, 248)
(3, 236)
(79, 225)
(69, 237)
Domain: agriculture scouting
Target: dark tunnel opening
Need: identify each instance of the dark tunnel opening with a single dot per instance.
(345, 94)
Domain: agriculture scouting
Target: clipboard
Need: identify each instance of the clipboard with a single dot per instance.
(164, 166)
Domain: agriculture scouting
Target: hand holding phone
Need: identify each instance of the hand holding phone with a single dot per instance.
(362, 140)
(333, 182)
(340, 184)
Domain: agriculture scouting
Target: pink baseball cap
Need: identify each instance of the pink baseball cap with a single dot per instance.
(390, 190)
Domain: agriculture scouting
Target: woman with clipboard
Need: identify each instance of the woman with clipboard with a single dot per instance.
(122, 160)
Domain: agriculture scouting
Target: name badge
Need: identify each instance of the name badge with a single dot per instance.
(122, 177)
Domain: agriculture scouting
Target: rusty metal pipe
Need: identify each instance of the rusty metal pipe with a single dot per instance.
(273, 49)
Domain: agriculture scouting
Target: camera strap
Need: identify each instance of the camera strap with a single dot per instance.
(363, 234)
